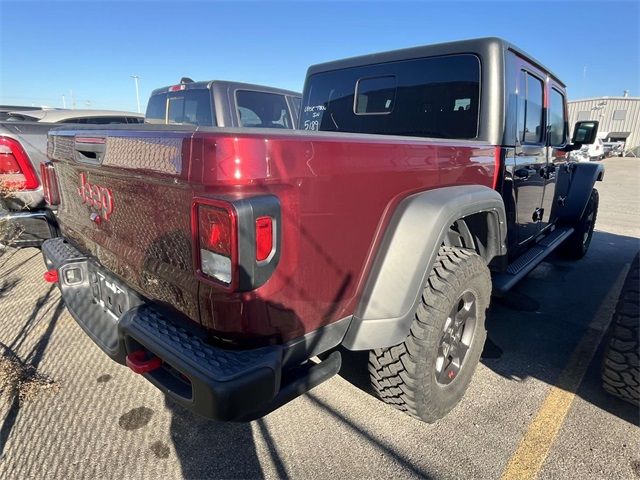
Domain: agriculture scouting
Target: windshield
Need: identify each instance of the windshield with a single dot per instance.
(184, 107)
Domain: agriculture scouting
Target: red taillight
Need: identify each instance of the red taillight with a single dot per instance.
(264, 238)
(176, 88)
(16, 171)
(215, 229)
(8, 163)
(49, 183)
(215, 240)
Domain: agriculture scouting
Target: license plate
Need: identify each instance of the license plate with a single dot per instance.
(112, 297)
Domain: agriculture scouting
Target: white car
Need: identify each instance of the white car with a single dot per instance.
(589, 153)
(595, 151)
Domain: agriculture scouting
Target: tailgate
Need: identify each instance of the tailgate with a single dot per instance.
(125, 200)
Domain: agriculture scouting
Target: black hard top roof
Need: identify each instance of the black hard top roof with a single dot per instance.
(481, 46)
(229, 84)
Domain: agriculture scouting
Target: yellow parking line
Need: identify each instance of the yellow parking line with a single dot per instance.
(534, 447)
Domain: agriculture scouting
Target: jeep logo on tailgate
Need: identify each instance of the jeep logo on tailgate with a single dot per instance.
(97, 197)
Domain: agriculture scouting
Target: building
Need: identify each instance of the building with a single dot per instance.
(619, 117)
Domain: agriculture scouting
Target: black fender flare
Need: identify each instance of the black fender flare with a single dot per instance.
(406, 255)
(575, 181)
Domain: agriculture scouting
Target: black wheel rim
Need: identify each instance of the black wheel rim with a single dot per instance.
(457, 335)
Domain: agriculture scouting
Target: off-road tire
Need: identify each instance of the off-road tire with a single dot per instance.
(621, 363)
(575, 247)
(404, 375)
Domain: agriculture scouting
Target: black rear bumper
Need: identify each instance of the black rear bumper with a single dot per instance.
(223, 384)
(29, 228)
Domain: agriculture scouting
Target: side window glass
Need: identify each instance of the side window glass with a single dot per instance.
(533, 117)
(262, 109)
(375, 95)
(530, 108)
(556, 119)
(248, 117)
(104, 120)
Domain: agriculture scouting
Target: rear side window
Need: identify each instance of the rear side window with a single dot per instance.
(556, 119)
(96, 120)
(183, 107)
(530, 108)
(376, 95)
(427, 97)
(105, 120)
(262, 110)
(73, 120)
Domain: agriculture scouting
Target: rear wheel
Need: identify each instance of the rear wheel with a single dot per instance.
(576, 246)
(427, 374)
(621, 364)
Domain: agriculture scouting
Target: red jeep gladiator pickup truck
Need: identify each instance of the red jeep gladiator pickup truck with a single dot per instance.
(219, 262)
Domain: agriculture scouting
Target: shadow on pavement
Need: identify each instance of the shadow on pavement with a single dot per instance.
(6, 285)
(210, 449)
(27, 368)
(538, 326)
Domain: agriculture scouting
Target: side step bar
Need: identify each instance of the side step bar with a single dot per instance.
(521, 266)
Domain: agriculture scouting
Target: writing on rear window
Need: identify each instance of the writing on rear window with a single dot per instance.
(315, 112)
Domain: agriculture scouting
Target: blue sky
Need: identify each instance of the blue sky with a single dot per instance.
(48, 49)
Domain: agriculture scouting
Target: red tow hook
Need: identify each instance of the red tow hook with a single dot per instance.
(51, 276)
(137, 361)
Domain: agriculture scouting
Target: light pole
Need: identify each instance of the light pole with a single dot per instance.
(135, 79)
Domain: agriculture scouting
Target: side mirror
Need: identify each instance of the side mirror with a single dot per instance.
(584, 133)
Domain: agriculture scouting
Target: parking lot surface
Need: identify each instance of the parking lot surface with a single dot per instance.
(535, 406)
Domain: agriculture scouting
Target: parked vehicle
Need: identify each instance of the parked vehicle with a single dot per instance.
(223, 104)
(5, 110)
(621, 363)
(590, 153)
(89, 117)
(217, 262)
(26, 219)
(613, 149)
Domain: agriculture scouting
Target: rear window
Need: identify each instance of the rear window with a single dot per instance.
(263, 110)
(428, 97)
(184, 107)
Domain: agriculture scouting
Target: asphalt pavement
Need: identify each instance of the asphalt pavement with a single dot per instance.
(67, 411)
